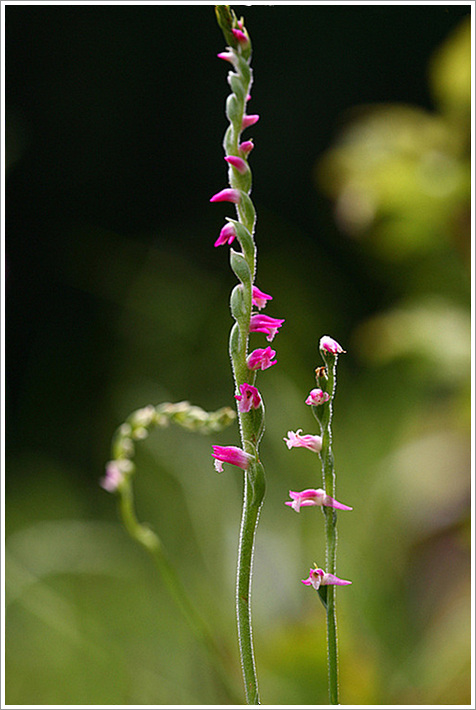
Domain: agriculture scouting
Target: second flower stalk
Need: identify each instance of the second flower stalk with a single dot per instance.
(324, 582)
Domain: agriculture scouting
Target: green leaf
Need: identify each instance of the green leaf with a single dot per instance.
(322, 591)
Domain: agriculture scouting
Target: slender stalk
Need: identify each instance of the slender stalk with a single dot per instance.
(253, 494)
(119, 477)
(243, 263)
(249, 522)
(328, 474)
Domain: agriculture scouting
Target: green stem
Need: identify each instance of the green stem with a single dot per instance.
(332, 661)
(244, 266)
(330, 514)
(253, 494)
(249, 522)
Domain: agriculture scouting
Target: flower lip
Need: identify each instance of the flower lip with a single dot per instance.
(249, 120)
(261, 358)
(317, 578)
(246, 147)
(240, 36)
(249, 397)
(112, 478)
(265, 324)
(308, 441)
(317, 397)
(313, 496)
(231, 454)
(227, 235)
(260, 298)
(237, 163)
(229, 194)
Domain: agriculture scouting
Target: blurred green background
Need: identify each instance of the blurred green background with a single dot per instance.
(116, 299)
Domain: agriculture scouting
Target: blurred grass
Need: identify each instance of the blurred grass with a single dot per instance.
(88, 621)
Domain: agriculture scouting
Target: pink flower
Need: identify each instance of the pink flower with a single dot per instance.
(231, 454)
(228, 56)
(240, 36)
(317, 396)
(265, 324)
(317, 578)
(331, 345)
(249, 120)
(260, 298)
(246, 147)
(308, 441)
(227, 235)
(227, 195)
(312, 496)
(249, 398)
(113, 477)
(237, 163)
(261, 359)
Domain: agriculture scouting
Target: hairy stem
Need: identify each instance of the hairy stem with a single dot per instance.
(249, 521)
(328, 474)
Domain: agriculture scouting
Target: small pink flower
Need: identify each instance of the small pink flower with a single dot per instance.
(249, 120)
(313, 496)
(260, 298)
(227, 195)
(265, 324)
(237, 163)
(231, 454)
(261, 359)
(227, 235)
(317, 397)
(113, 477)
(308, 441)
(246, 147)
(240, 36)
(331, 345)
(228, 56)
(249, 398)
(318, 578)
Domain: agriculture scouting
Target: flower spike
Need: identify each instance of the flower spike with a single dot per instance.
(308, 441)
(313, 496)
(318, 578)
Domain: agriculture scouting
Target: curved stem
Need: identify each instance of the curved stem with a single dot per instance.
(151, 542)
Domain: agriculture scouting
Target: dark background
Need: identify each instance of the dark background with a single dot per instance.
(116, 297)
(116, 110)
